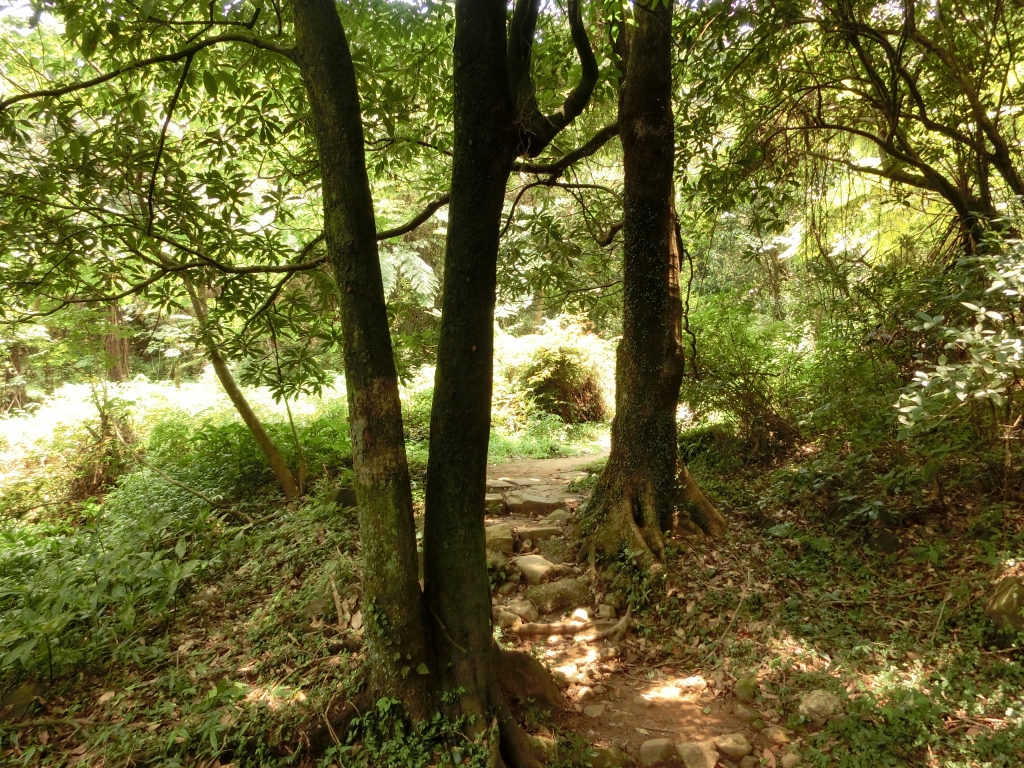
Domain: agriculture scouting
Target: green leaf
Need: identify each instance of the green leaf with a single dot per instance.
(210, 84)
(147, 9)
(90, 39)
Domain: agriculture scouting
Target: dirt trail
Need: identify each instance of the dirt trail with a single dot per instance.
(613, 699)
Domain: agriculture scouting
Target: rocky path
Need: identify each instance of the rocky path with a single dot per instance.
(544, 601)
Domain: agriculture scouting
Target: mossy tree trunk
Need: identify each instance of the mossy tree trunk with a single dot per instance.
(496, 119)
(399, 656)
(421, 644)
(636, 495)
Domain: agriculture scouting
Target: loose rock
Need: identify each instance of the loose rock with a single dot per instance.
(508, 620)
(499, 537)
(494, 504)
(558, 517)
(655, 751)
(534, 567)
(790, 760)
(594, 710)
(531, 503)
(818, 705)
(560, 595)
(697, 754)
(776, 734)
(750, 762)
(539, 533)
(744, 713)
(523, 608)
(734, 745)
(507, 588)
(605, 611)
(746, 686)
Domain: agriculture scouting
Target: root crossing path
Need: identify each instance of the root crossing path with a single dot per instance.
(545, 602)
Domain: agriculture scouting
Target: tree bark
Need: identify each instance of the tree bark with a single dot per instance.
(637, 493)
(455, 569)
(396, 639)
(116, 347)
(273, 454)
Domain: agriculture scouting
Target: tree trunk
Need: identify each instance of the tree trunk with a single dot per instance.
(455, 569)
(396, 639)
(636, 494)
(116, 347)
(220, 367)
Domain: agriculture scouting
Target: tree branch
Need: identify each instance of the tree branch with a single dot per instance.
(188, 52)
(163, 138)
(430, 209)
(536, 130)
(558, 166)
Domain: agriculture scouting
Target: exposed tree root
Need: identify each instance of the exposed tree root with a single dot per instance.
(616, 632)
(523, 677)
(699, 507)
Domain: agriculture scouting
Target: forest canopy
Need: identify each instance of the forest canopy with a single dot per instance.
(440, 383)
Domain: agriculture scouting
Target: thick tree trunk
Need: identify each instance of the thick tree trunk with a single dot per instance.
(115, 346)
(636, 495)
(396, 639)
(455, 569)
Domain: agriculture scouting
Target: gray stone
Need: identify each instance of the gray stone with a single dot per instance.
(523, 481)
(1006, 605)
(499, 537)
(558, 517)
(507, 588)
(561, 595)
(496, 486)
(540, 532)
(613, 600)
(790, 760)
(749, 762)
(744, 713)
(746, 686)
(343, 497)
(534, 567)
(605, 611)
(523, 608)
(494, 504)
(734, 745)
(696, 754)
(526, 503)
(818, 705)
(585, 692)
(508, 620)
(596, 757)
(655, 751)
(594, 710)
(642, 701)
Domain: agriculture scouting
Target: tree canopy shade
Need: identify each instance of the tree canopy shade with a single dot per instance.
(227, 202)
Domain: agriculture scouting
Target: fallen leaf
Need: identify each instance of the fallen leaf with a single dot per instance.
(644, 731)
(44, 737)
(973, 731)
(770, 757)
(105, 697)
(357, 620)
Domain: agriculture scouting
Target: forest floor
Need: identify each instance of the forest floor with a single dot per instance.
(801, 643)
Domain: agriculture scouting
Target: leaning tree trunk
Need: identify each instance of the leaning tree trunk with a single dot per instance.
(269, 448)
(636, 494)
(400, 663)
